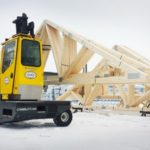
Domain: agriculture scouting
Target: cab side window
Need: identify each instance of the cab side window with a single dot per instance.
(8, 55)
(30, 55)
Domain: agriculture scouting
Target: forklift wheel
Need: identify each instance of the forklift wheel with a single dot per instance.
(64, 119)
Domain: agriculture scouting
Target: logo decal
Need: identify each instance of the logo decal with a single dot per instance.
(30, 75)
(6, 80)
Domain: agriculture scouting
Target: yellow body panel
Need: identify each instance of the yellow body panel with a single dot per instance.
(6, 80)
(22, 75)
(20, 78)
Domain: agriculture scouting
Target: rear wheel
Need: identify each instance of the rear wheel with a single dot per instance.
(63, 119)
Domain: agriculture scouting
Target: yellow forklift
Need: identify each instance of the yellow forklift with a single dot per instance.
(21, 80)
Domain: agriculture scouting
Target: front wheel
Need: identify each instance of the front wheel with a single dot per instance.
(63, 119)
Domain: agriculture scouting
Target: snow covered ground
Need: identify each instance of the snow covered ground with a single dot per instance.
(103, 130)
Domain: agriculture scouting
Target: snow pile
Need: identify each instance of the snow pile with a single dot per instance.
(88, 131)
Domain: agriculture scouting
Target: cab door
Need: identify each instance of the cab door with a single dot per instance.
(8, 68)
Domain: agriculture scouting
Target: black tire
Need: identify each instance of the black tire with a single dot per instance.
(63, 119)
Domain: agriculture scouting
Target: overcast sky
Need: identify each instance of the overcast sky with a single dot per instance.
(109, 22)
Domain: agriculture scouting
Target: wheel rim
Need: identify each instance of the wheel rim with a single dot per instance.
(64, 117)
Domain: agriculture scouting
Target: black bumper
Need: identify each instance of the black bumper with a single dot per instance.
(13, 111)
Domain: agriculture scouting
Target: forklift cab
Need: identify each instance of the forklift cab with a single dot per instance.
(21, 80)
(22, 69)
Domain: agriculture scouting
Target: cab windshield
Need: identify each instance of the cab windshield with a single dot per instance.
(8, 57)
(30, 55)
